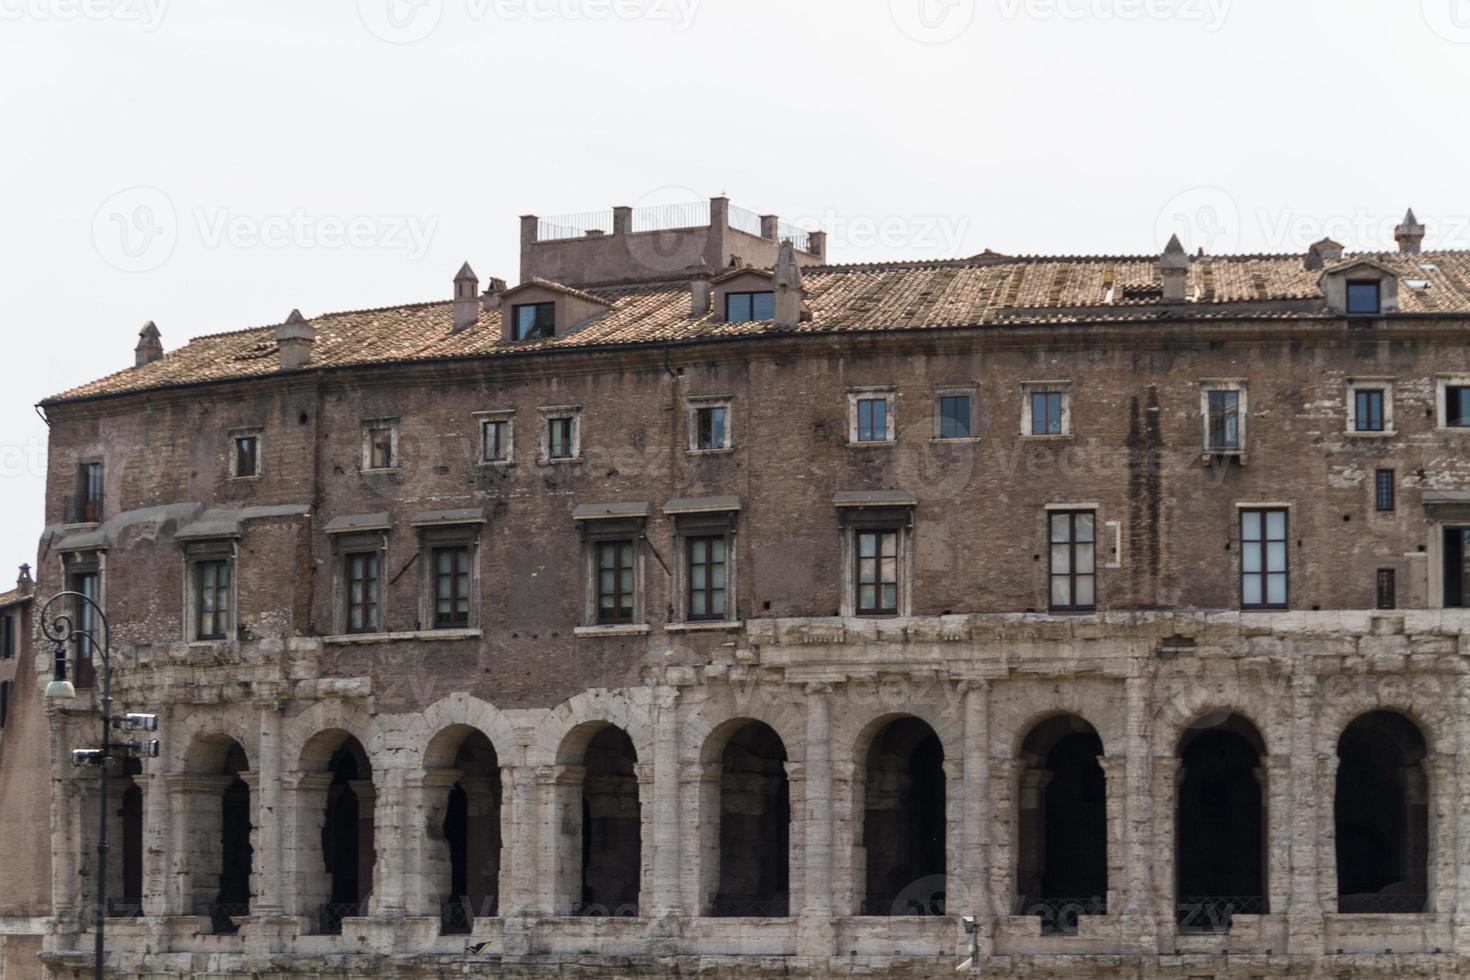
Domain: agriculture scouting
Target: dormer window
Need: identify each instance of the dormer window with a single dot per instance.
(747, 307)
(534, 320)
(1364, 298)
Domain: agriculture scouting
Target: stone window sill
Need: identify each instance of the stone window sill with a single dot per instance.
(719, 451)
(872, 444)
(1047, 437)
(499, 464)
(955, 440)
(1357, 434)
(559, 461)
(621, 629)
(354, 639)
(377, 471)
(705, 626)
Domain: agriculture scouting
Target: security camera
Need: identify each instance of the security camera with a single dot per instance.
(970, 924)
(86, 757)
(147, 748)
(134, 720)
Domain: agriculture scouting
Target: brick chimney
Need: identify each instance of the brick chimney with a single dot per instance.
(1174, 267)
(490, 298)
(466, 298)
(150, 345)
(790, 293)
(295, 338)
(24, 584)
(1322, 253)
(699, 297)
(1410, 234)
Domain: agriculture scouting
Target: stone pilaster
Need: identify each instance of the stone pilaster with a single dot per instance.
(667, 899)
(816, 911)
(266, 794)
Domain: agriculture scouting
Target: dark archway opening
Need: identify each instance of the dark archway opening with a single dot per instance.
(130, 902)
(236, 854)
(1381, 809)
(347, 837)
(1062, 866)
(904, 821)
(612, 826)
(1221, 825)
(755, 826)
(471, 831)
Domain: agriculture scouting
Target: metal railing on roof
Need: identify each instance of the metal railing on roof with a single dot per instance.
(742, 219)
(800, 238)
(665, 217)
(564, 226)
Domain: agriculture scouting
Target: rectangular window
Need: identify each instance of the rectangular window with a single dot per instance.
(709, 427)
(362, 592)
(707, 578)
(1456, 564)
(1263, 559)
(1388, 591)
(4, 702)
(1073, 561)
(954, 416)
(615, 582)
(247, 455)
(559, 441)
(1224, 421)
(86, 507)
(380, 448)
(1046, 413)
(496, 440)
(7, 636)
(1384, 490)
(1457, 407)
(877, 573)
(451, 587)
(872, 420)
(211, 599)
(534, 320)
(746, 307)
(1362, 299)
(1368, 410)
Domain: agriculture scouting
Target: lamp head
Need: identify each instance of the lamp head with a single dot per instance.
(60, 689)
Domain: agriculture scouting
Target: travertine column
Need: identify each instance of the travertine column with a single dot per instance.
(1004, 811)
(647, 836)
(1323, 900)
(422, 858)
(1457, 739)
(1443, 865)
(156, 848)
(308, 885)
(818, 803)
(666, 898)
(519, 836)
(1310, 772)
(1144, 810)
(560, 844)
(849, 851)
(1115, 787)
(1276, 800)
(1162, 887)
(266, 795)
(977, 845)
(700, 792)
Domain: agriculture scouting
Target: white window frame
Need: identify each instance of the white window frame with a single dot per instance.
(508, 416)
(951, 391)
(550, 413)
(1441, 403)
(1237, 385)
(1063, 388)
(886, 393)
(366, 460)
(1354, 385)
(691, 414)
(246, 432)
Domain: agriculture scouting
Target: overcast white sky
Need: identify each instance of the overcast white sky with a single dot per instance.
(201, 163)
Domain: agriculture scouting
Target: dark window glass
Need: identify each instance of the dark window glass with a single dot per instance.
(615, 582)
(84, 617)
(1387, 588)
(1046, 413)
(1456, 563)
(247, 455)
(88, 507)
(7, 637)
(954, 416)
(1224, 420)
(559, 444)
(533, 320)
(1263, 559)
(362, 592)
(709, 427)
(1362, 299)
(1457, 407)
(4, 702)
(497, 440)
(1368, 416)
(380, 448)
(872, 420)
(212, 599)
(745, 307)
(877, 573)
(451, 587)
(1073, 561)
(707, 578)
(1384, 490)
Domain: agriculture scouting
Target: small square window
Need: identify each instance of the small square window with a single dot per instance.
(1384, 490)
(1046, 413)
(534, 320)
(496, 436)
(954, 417)
(709, 427)
(1457, 406)
(747, 307)
(247, 455)
(1363, 298)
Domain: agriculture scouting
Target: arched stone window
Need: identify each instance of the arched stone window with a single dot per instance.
(214, 803)
(903, 830)
(1381, 811)
(463, 781)
(335, 801)
(748, 863)
(600, 823)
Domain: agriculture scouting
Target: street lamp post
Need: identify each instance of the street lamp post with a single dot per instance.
(63, 630)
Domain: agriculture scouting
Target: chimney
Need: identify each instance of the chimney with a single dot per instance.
(1322, 253)
(699, 297)
(1409, 235)
(817, 241)
(295, 337)
(24, 584)
(770, 226)
(790, 295)
(622, 220)
(466, 298)
(490, 299)
(1174, 266)
(150, 345)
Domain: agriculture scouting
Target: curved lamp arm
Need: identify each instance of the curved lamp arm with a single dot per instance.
(61, 630)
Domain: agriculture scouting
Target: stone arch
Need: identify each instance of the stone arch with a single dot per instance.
(1017, 707)
(564, 732)
(1197, 705)
(213, 799)
(599, 857)
(1381, 815)
(458, 709)
(193, 739)
(900, 797)
(304, 750)
(745, 800)
(464, 825)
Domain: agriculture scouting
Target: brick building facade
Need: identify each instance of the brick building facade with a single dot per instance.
(768, 617)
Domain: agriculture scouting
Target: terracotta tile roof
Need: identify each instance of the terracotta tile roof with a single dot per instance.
(984, 290)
